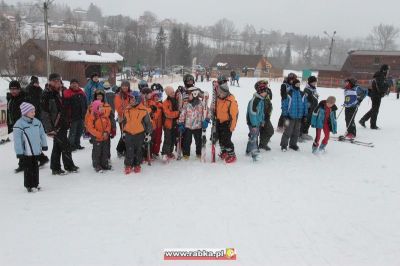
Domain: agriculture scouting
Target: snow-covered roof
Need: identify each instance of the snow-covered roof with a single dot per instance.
(82, 56)
(222, 64)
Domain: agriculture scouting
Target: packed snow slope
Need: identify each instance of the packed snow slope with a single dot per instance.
(294, 209)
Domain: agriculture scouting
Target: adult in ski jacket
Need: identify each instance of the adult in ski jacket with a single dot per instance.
(92, 85)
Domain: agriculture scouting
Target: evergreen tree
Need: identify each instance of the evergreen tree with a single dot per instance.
(288, 54)
(308, 55)
(185, 53)
(160, 49)
(175, 46)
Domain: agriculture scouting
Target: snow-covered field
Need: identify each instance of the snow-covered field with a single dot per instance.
(341, 208)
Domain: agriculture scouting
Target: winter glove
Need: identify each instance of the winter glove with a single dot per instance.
(254, 131)
(147, 138)
(153, 108)
(105, 135)
(287, 121)
(205, 123)
(45, 148)
(181, 128)
(305, 119)
(113, 132)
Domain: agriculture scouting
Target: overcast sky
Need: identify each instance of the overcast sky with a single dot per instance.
(348, 17)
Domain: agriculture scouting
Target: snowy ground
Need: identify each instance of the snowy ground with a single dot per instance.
(294, 208)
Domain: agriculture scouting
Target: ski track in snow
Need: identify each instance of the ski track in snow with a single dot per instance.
(293, 208)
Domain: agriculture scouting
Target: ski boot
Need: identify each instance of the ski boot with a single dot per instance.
(72, 169)
(362, 123)
(294, 147)
(283, 149)
(58, 172)
(19, 169)
(128, 170)
(137, 169)
(230, 159)
(314, 149)
(223, 155)
(322, 148)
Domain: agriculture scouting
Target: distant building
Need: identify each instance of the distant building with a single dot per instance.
(71, 60)
(362, 65)
(252, 65)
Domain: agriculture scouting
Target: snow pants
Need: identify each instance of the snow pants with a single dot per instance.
(291, 133)
(134, 145)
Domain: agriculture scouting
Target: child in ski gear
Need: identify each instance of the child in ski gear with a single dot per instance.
(324, 119)
(98, 124)
(294, 110)
(100, 95)
(255, 119)
(121, 102)
(226, 113)
(142, 84)
(380, 87)
(310, 91)
(266, 128)
(29, 142)
(76, 104)
(92, 85)
(182, 93)
(285, 88)
(191, 122)
(170, 115)
(137, 128)
(55, 123)
(353, 96)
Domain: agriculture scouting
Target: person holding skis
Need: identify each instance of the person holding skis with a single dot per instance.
(137, 129)
(99, 125)
(226, 114)
(380, 87)
(294, 110)
(310, 91)
(266, 128)
(353, 96)
(255, 119)
(29, 142)
(92, 85)
(55, 122)
(121, 102)
(170, 116)
(324, 119)
(182, 93)
(285, 88)
(191, 122)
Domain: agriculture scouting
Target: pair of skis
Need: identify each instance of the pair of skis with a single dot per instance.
(353, 141)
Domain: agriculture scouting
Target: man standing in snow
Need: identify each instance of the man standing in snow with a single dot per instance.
(380, 87)
(55, 122)
(285, 88)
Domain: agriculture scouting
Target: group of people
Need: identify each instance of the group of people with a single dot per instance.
(65, 114)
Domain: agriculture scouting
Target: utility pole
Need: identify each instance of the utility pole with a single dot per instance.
(331, 46)
(46, 5)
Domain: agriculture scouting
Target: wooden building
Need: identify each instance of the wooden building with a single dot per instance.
(70, 60)
(252, 65)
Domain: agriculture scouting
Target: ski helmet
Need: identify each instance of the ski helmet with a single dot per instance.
(352, 81)
(312, 79)
(100, 92)
(222, 79)
(292, 76)
(186, 79)
(157, 87)
(261, 86)
(142, 84)
(137, 96)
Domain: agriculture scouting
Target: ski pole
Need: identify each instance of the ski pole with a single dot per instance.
(351, 120)
(340, 112)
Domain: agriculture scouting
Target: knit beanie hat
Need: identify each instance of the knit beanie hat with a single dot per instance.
(95, 107)
(26, 108)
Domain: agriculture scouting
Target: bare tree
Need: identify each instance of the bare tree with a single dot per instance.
(383, 37)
